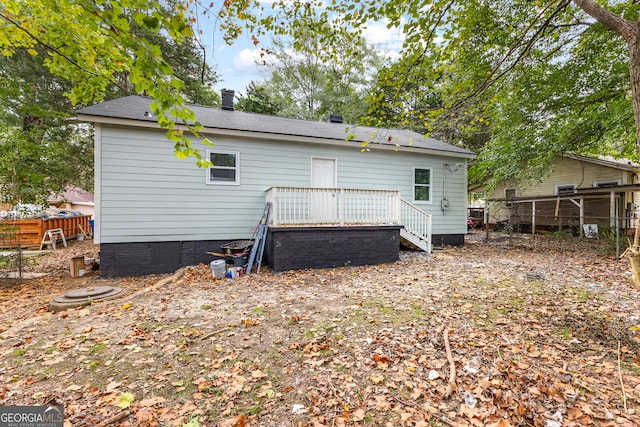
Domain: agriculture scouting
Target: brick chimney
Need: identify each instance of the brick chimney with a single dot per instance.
(334, 118)
(227, 99)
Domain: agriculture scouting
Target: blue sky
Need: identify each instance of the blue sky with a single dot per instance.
(236, 64)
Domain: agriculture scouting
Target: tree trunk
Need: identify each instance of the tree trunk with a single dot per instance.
(634, 72)
(633, 253)
(630, 32)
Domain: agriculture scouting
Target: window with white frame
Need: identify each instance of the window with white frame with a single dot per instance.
(422, 184)
(605, 184)
(225, 169)
(510, 193)
(565, 189)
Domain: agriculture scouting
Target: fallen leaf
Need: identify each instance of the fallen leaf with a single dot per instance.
(125, 400)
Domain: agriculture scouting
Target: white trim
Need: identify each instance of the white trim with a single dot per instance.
(413, 186)
(97, 180)
(335, 170)
(598, 184)
(557, 187)
(236, 168)
(631, 167)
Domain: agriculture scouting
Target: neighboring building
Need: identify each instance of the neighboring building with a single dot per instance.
(333, 204)
(74, 199)
(579, 190)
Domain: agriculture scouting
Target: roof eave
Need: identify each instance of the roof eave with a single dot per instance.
(602, 162)
(283, 137)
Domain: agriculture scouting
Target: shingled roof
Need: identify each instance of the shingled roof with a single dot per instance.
(137, 108)
(71, 194)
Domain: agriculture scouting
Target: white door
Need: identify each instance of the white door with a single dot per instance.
(323, 173)
(323, 202)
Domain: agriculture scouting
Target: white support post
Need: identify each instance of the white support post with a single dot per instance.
(612, 209)
(581, 206)
(533, 217)
(273, 193)
(341, 203)
(396, 208)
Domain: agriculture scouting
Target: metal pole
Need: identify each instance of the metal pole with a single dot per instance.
(612, 207)
(581, 231)
(533, 217)
(617, 238)
(486, 220)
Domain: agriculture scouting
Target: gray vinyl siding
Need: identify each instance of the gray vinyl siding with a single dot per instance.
(146, 194)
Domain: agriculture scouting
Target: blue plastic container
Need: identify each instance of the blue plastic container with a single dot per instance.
(91, 225)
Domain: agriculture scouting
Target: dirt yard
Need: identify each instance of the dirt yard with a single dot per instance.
(544, 333)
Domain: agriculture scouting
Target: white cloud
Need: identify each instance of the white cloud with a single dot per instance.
(246, 61)
(379, 35)
(237, 72)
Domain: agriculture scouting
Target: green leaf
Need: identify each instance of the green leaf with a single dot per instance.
(125, 400)
(181, 154)
(151, 22)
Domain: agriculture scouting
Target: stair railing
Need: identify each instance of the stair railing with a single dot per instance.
(416, 222)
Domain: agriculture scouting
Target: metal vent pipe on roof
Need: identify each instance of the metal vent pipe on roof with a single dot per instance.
(227, 99)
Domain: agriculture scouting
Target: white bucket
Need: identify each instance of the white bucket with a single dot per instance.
(218, 268)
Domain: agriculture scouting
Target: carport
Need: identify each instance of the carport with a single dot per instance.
(612, 207)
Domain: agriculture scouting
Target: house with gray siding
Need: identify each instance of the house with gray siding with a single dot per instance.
(340, 194)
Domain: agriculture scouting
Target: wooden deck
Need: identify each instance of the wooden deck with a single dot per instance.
(349, 207)
(28, 232)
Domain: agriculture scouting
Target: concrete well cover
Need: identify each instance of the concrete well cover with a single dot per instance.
(83, 296)
(90, 292)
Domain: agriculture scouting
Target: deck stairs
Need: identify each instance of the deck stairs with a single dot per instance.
(416, 231)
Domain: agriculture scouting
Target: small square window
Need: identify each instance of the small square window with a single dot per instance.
(510, 193)
(566, 189)
(606, 184)
(225, 169)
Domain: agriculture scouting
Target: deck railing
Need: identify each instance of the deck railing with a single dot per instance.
(333, 206)
(416, 222)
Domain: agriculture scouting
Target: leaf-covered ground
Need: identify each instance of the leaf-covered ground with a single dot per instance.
(543, 333)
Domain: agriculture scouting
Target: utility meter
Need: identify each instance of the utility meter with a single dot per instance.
(444, 204)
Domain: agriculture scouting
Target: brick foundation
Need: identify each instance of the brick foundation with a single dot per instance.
(290, 248)
(287, 248)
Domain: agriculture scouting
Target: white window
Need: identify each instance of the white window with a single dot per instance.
(225, 169)
(510, 193)
(422, 184)
(604, 184)
(565, 189)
